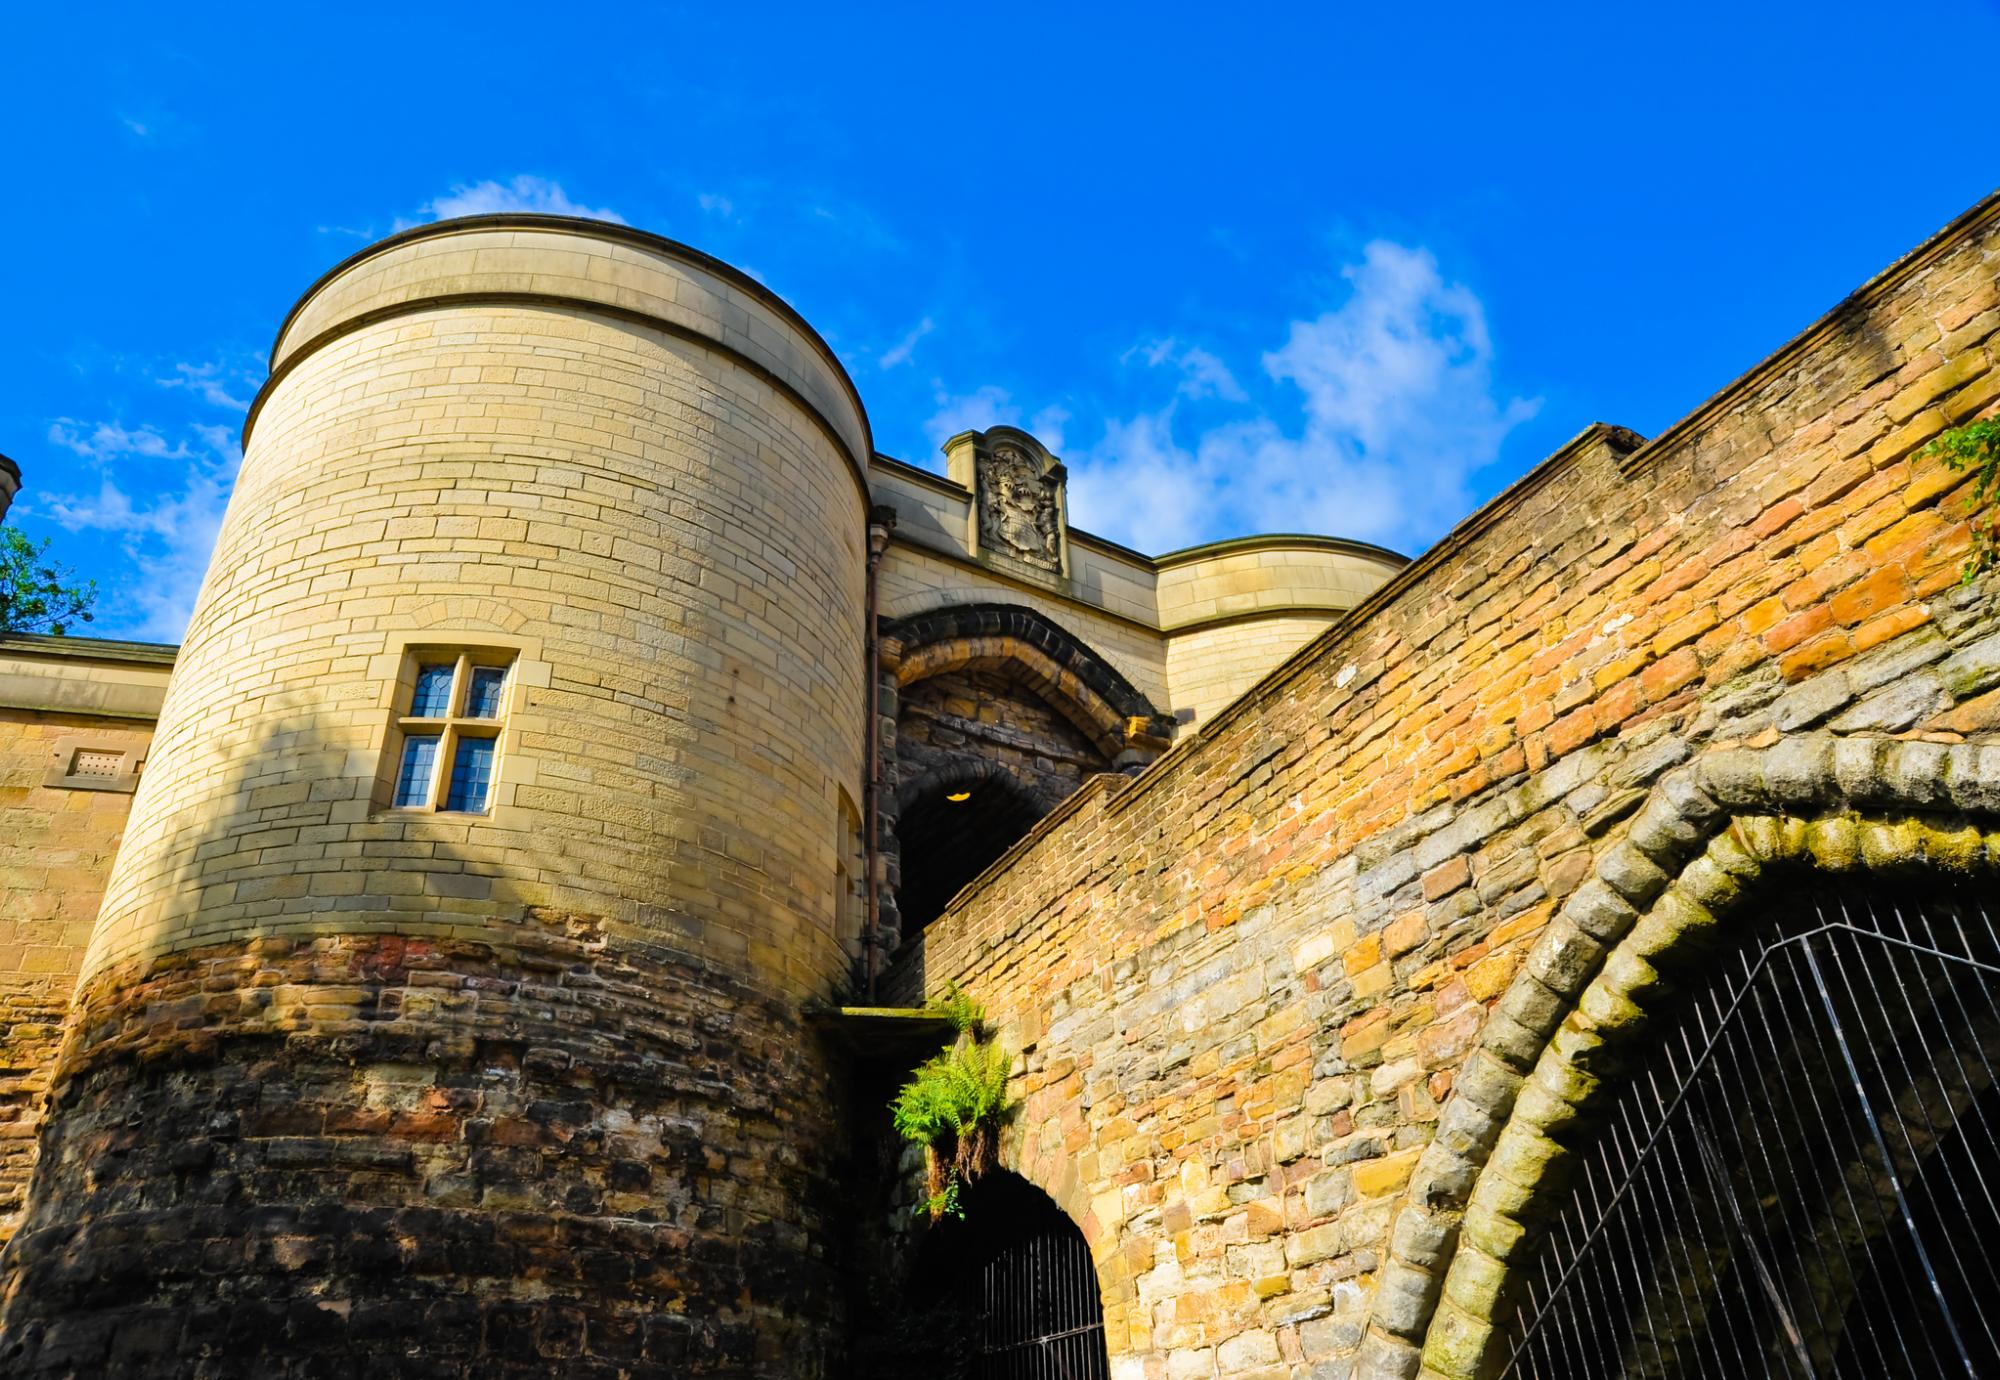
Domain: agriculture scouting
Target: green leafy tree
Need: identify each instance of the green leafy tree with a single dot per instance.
(36, 594)
(1975, 448)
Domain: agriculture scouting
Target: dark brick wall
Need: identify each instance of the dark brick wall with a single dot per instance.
(363, 1155)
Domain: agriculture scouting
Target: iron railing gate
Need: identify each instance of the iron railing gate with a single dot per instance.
(1798, 1177)
(1039, 1314)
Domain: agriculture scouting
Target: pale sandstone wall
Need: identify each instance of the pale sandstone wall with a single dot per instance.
(914, 580)
(1234, 610)
(575, 1020)
(1212, 665)
(56, 846)
(1251, 986)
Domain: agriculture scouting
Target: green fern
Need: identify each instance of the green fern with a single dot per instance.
(952, 1107)
(1976, 447)
(967, 1016)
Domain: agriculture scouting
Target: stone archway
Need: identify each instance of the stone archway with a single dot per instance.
(998, 715)
(1019, 1269)
(1708, 831)
(952, 823)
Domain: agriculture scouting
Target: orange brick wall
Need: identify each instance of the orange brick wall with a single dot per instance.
(1246, 984)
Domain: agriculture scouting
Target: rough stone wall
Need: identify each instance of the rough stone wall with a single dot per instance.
(982, 715)
(366, 1154)
(1250, 984)
(56, 848)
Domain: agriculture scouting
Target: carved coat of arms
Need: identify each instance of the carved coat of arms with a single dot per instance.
(1018, 516)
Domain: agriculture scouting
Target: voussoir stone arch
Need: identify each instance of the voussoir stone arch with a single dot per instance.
(1074, 678)
(1705, 833)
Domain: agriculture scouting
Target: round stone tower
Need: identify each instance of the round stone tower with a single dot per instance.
(445, 1006)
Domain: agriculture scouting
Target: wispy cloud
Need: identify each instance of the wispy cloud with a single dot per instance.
(900, 352)
(138, 128)
(991, 406)
(716, 204)
(525, 192)
(110, 440)
(1203, 375)
(169, 535)
(211, 382)
(1396, 409)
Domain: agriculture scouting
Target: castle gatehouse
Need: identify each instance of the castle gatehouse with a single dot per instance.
(487, 944)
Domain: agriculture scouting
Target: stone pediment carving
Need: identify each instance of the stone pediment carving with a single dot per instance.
(1019, 505)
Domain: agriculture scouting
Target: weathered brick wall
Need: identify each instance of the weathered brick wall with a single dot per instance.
(365, 1154)
(56, 848)
(1249, 984)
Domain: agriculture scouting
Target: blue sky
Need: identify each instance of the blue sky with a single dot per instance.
(1246, 267)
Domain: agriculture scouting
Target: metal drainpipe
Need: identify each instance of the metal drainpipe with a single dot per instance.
(881, 522)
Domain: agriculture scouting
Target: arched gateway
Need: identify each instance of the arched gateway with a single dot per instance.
(1018, 1273)
(1791, 1169)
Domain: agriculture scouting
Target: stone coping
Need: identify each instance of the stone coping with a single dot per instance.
(1277, 541)
(587, 266)
(84, 676)
(89, 648)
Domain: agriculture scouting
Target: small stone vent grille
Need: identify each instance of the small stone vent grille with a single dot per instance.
(97, 764)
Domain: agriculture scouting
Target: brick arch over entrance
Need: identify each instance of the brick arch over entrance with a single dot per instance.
(996, 715)
(1705, 834)
(1061, 667)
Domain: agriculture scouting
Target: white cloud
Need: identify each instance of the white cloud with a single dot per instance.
(715, 204)
(523, 193)
(900, 352)
(209, 382)
(1397, 411)
(991, 406)
(109, 440)
(1203, 375)
(139, 128)
(169, 537)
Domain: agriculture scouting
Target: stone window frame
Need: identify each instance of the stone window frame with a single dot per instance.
(451, 729)
(62, 773)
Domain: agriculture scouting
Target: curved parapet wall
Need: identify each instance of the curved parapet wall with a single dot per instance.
(522, 1082)
(1233, 610)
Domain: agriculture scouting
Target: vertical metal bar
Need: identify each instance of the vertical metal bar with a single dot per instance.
(1925, 1336)
(1888, 1163)
(1967, 1022)
(1820, 1192)
(1919, 1181)
(1753, 1238)
(1666, 1273)
(1695, 1103)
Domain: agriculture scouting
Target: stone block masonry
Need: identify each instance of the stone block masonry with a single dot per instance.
(365, 1154)
(57, 841)
(1275, 996)
(524, 1087)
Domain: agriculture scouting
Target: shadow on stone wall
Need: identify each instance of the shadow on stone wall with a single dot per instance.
(518, 1142)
